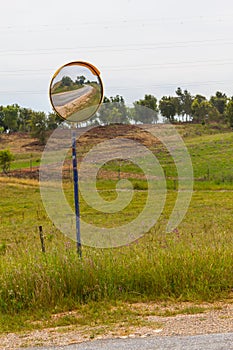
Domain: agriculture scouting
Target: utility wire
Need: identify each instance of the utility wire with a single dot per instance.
(124, 21)
(158, 85)
(115, 48)
(127, 67)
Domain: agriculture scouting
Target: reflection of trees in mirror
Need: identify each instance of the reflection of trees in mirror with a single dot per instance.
(67, 84)
(80, 80)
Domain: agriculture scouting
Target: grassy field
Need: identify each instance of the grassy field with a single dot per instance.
(192, 263)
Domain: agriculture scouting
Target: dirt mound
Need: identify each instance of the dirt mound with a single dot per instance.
(133, 132)
(20, 143)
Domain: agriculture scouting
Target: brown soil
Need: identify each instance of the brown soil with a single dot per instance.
(19, 143)
(133, 132)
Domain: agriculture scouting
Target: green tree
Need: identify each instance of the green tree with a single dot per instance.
(180, 102)
(1, 131)
(229, 112)
(167, 107)
(39, 126)
(2, 118)
(113, 110)
(10, 117)
(147, 115)
(115, 115)
(24, 119)
(66, 81)
(6, 158)
(204, 111)
(80, 80)
(53, 120)
(219, 101)
(184, 103)
(200, 98)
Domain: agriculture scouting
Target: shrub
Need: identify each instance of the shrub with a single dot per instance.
(6, 158)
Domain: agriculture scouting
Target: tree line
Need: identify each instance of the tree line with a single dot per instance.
(183, 107)
(14, 118)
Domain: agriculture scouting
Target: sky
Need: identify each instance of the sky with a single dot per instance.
(73, 72)
(140, 47)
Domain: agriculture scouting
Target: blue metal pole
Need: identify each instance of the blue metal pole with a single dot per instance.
(76, 196)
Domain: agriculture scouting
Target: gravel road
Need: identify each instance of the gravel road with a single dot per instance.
(63, 98)
(198, 342)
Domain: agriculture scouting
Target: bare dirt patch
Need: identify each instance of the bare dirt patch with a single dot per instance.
(20, 143)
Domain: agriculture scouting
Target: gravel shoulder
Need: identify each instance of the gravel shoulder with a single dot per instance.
(196, 342)
(158, 320)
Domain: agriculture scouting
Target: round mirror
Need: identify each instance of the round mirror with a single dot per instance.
(76, 91)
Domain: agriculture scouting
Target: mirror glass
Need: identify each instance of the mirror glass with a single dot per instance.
(76, 91)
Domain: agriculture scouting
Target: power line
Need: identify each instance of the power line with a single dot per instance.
(149, 86)
(129, 67)
(117, 22)
(178, 84)
(173, 64)
(39, 92)
(114, 48)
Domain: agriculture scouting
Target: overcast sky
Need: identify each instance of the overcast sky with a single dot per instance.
(140, 47)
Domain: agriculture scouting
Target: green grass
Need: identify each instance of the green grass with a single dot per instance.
(22, 164)
(187, 268)
(94, 318)
(25, 160)
(211, 155)
(193, 263)
(210, 148)
(57, 88)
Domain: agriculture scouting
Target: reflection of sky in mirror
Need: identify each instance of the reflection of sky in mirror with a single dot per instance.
(74, 71)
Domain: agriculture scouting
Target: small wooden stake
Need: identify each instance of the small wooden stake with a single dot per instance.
(42, 239)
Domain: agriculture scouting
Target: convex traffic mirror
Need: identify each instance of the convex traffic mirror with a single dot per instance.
(76, 91)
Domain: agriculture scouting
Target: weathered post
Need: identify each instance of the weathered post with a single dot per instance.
(42, 239)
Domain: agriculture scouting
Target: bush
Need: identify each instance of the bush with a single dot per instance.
(6, 158)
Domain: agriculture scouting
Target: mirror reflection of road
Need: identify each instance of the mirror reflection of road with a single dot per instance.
(63, 98)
